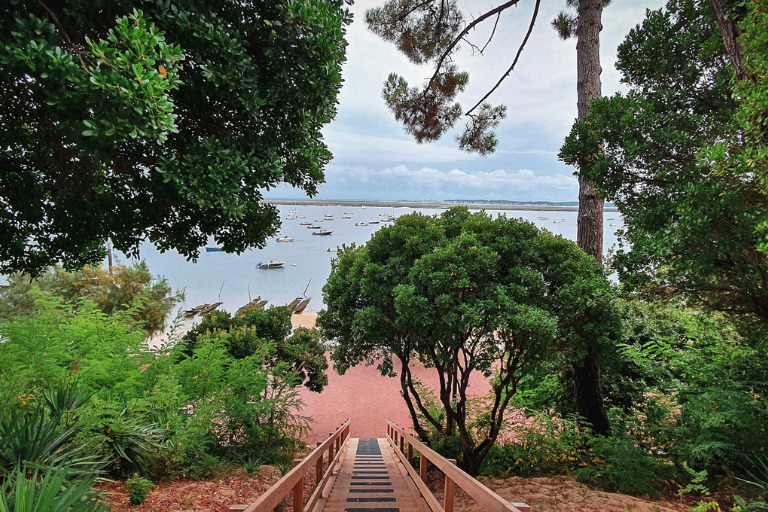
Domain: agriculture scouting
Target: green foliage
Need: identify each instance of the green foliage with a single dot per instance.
(267, 332)
(161, 124)
(27, 489)
(138, 489)
(56, 339)
(465, 293)
(676, 154)
(429, 32)
(127, 410)
(543, 445)
(622, 467)
(127, 289)
(128, 441)
(37, 438)
(252, 464)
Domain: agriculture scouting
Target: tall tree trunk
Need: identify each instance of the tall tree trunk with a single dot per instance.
(588, 389)
(731, 32)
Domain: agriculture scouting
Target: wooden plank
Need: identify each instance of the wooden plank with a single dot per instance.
(484, 497)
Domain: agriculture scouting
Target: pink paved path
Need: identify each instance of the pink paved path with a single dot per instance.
(369, 399)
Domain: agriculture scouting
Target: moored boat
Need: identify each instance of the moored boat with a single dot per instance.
(214, 249)
(271, 264)
(292, 305)
(301, 306)
(285, 239)
(322, 232)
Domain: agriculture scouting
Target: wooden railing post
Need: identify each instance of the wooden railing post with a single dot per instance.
(402, 441)
(423, 467)
(410, 453)
(331, 453)
(298, 491)
(449, 491)
(319, 468)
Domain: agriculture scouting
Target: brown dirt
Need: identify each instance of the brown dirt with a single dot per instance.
(550, 494)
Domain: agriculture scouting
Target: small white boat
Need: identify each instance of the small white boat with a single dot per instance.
(333, 249)
(285, 239)
(322, 232)
(361, 223)
(271, 264)
(313, 226)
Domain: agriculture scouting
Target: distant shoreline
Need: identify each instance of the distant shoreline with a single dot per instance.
(431, 204)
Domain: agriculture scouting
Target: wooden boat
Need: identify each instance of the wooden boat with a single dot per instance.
(292, 305)
(271, 264)
(247, 307)
(285, 239)
(322, 232)
(302, 305)
(214, 249)
(210, 308)
(190, 313)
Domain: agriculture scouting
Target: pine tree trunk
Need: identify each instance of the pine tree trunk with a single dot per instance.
(587, 383)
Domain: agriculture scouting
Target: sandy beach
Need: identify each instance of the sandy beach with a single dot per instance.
(306, 319)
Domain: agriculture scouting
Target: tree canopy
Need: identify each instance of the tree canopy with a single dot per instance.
(163, 123)
(465, 294)
(301, 353)
(681, 154)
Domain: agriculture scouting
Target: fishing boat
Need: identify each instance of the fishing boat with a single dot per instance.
(313, 226)
(292, 305)
(322, 232)
(214, 249)
(252, 304)
(305, 223)
(301, 306)
(190, 313)
(211, 308)
(285, 239)
(271, 264)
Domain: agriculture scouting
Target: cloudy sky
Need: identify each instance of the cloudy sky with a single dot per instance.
(375, 159)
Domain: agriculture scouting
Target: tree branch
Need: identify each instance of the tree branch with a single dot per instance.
(63, 32)
(464, 32)
(514, 63)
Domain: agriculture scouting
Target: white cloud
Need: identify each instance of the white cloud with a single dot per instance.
(430, 183)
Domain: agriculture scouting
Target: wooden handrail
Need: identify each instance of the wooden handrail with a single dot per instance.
(294, 479)
(485, 497)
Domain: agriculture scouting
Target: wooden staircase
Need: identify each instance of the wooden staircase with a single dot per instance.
(370, 479)
(374, 475)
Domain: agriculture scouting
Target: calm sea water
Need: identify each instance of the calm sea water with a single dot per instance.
(235, 279)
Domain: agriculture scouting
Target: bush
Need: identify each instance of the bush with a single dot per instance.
(28, 489)
(138, 488)
(621, 467)
(542, 446)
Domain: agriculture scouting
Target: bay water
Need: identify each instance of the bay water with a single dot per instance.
(236, 279)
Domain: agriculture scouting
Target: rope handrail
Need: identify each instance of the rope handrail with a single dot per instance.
(294, 479)
(484, 496)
